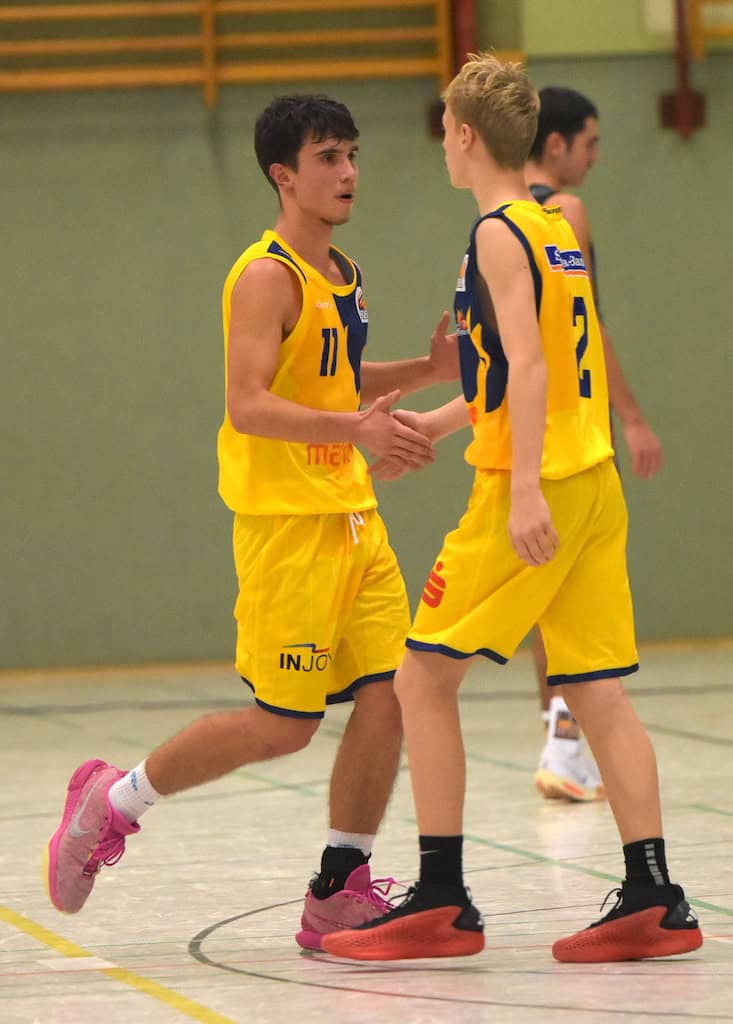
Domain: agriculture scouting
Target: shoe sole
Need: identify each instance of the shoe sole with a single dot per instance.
(49, 864)
(427, 934)
(307, 939)
(636, 937)
(554, 787)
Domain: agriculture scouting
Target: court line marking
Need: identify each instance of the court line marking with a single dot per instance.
(167, 996)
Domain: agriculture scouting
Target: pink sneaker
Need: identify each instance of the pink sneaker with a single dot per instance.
(360, 900)
(91, 834)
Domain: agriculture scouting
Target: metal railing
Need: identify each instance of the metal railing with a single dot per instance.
(130, 43)
(703, 31)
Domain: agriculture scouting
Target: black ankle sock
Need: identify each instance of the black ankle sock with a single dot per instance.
(337, 863)
(441, 860)
(646, 862)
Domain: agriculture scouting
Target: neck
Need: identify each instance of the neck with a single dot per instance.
(309, 237)
(537, 174)
(501, 186)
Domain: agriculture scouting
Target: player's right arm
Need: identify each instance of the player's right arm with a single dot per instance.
(503, 264)
(265, 306)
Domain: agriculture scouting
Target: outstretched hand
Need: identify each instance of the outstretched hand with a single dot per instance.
(444, 351)
(387, 437)
(393, 467)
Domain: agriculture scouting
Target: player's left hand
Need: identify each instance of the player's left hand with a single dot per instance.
(531, 529)
(645, 449)
(444, 351)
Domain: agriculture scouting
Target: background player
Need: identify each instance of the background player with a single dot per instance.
(564, 150)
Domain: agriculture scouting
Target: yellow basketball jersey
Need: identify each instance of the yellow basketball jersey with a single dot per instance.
(577, 429)
(319, 367)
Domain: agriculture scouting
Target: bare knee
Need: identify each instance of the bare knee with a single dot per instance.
(377, 702)
(281, 734)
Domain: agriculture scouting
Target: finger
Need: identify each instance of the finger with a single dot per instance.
(411, 440)
(442, 324)
(383, 403)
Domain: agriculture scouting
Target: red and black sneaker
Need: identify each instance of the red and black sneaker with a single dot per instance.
(646, 921)
(431, 921)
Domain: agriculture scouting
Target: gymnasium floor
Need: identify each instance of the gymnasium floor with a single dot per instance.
(197, 922)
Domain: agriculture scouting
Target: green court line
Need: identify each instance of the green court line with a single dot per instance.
(712, 810)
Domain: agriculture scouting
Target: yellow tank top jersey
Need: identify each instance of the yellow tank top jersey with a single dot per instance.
(577, 430)
(319, 367)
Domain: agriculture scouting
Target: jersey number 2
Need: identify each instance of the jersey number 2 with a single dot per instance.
(580, 312)
(330, 338)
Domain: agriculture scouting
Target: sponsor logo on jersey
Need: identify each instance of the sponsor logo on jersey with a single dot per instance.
(568, 261)
(461, 322)
(340, 453)
(461, 285)
(305, 658)
(435, 587)
(361, 307)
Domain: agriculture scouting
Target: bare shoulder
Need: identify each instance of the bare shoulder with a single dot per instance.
(496, 244)
(266, 278)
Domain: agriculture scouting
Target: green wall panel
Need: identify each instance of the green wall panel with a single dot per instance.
(122, 213)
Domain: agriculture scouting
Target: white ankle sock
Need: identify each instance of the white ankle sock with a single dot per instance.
(132, 795)
(356, 840)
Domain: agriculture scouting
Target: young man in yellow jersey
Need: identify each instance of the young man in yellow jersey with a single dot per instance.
(543, 540)
(322, 612)
(564, 150)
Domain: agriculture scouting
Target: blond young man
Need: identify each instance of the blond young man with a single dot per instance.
(543, 540)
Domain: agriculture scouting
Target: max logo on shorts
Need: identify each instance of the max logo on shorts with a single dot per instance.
(432, 595)
(308, 658)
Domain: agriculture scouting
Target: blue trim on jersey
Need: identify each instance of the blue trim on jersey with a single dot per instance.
(356, 329)
(536, 276)
(277, 250)
(451, 652)
(348, 694)
(585, 677)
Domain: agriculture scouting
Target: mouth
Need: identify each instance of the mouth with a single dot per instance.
(346, 197)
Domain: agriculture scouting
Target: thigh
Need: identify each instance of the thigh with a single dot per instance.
(292, 573)
(375, 617)
(588, 628)
(480, 597)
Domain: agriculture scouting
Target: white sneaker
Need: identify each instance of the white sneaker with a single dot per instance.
(568, 773)
(566, 770)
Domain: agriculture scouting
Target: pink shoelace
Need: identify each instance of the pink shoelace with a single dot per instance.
(108, 851)
(379, 890)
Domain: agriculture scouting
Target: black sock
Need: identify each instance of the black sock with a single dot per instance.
(441, 860)
(337, 863)
(646, 863)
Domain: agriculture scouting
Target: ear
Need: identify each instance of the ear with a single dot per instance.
(280, 174)
(466, 136)
(555, 144)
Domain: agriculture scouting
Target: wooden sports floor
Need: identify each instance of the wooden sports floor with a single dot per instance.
(197, 922)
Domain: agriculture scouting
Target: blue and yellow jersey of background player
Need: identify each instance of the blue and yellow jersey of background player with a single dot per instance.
(318, 366)
(577, 429)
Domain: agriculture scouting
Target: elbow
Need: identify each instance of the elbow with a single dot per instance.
(240, 411)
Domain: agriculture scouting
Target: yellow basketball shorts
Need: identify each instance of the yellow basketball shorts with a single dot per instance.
(322, 608)
(481, 598)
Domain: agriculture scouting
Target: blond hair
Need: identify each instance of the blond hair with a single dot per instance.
(498, 100)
